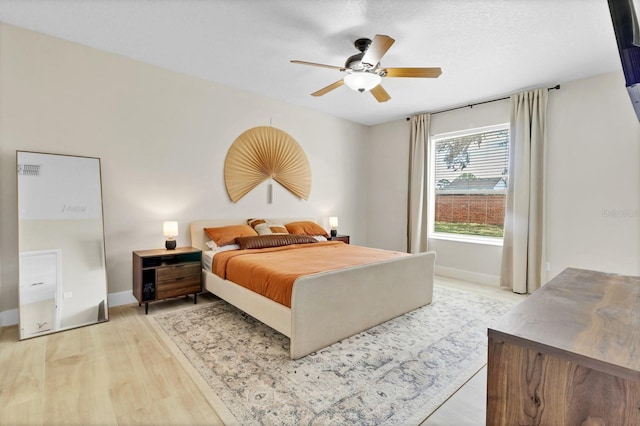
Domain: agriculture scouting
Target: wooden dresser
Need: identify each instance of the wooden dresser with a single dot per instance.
(568, 355)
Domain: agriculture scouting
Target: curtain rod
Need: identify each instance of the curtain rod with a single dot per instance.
(556, 87)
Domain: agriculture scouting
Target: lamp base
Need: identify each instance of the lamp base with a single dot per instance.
(170, 244)
(334, 232)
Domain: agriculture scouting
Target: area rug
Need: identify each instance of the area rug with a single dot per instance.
(396, 373)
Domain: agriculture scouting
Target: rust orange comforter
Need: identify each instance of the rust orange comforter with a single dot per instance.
(272, 271)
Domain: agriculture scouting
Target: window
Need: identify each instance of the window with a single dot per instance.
(469, 182)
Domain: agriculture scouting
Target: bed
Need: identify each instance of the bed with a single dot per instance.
(329, 306)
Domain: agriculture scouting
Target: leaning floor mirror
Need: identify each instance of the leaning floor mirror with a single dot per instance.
(62, 269)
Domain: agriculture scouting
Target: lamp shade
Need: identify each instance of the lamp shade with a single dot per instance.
(333, 222)
(362, 81)
(170, 229)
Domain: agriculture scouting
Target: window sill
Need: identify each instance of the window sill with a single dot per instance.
(488, 241)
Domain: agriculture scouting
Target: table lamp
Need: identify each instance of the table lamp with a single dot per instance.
(333, 224)
(170, 230)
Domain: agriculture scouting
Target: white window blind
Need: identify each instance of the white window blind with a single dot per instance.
(470, 181)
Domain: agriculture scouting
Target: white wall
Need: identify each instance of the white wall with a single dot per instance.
(162, 138)
(593, 177)
(388, 162)
(593, 182)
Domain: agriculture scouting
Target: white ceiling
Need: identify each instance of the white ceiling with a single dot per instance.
(486, 48)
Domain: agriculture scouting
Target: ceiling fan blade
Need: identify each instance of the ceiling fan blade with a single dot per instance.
(377, 49)
(413, 72)
(380, 94)
(313, 64)
(327, 89)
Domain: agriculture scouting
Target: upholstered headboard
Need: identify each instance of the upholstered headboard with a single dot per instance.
(199, 238)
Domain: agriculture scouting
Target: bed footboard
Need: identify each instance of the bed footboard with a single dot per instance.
(331, 306)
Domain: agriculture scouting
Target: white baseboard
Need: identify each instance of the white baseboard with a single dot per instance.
(11, 316)
(474, 277)
(122, 298)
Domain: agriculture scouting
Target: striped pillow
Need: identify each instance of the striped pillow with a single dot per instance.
(267, 227)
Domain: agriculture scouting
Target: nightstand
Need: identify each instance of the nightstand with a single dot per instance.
(343, 238)
(162, 274)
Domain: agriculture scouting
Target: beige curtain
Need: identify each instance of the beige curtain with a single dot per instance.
(523, 249)
(418, 212)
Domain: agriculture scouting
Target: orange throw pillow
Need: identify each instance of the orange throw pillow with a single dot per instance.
(306, 228)
(226, 235)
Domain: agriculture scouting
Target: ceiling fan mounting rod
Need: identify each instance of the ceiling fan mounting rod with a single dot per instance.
(362, 44)
(354, 62)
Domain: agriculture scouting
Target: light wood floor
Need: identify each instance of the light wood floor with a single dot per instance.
(119, 372)
(467, 407)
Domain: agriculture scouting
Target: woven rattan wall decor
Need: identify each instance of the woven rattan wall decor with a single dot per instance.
(266, 152)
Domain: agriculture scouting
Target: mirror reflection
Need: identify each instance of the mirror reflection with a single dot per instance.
(61, 243)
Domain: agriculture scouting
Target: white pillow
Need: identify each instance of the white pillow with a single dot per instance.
(320, 237)
(214, 247)
(227, 248)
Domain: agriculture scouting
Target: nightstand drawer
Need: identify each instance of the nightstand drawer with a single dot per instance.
(178, 287)
(172, 273)
(178, 280)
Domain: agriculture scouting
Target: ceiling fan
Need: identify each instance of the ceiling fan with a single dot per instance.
(364, 73)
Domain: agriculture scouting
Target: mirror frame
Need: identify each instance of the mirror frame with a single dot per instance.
(78, 252)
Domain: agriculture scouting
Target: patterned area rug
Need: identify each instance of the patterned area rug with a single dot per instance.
(396, 373)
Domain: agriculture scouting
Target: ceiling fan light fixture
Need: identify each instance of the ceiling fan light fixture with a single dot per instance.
(362, 81)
